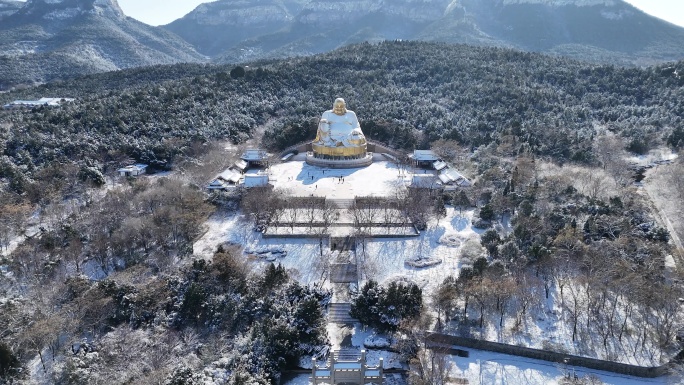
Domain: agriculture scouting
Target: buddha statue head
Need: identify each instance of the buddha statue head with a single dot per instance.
(340, 107)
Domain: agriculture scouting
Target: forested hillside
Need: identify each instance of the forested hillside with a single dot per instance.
(407, 94)
(108, 276)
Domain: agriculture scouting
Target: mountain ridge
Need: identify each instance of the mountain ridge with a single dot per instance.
(9, 7)
(594, 30)
(47, 40)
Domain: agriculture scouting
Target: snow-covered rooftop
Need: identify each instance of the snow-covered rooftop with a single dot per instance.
(424, 156)
(134, 168)
(439, 165)
(256, 180)
(254, 155)
(240, 164)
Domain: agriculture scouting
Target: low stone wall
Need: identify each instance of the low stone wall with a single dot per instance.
(444, 341)
(307, 232)
(297, 236)
(373, 146)
(392, 236)
(299, 147)
(380, 148)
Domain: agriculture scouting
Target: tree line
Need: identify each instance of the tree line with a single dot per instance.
(406, 94)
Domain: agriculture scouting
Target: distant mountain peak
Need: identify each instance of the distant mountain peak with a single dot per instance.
(66, 9)
(9, 7)
(57, 39)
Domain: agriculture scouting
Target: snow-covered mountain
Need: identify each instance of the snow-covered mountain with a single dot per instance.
(51, 39)
(215, 27)
(303, 26)
(43, 40)
(602, 30)
(67, 9)
(8, 7)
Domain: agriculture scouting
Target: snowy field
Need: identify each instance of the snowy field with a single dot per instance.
(384, 259)
(491, 368)
(444, 240)
(303, 256)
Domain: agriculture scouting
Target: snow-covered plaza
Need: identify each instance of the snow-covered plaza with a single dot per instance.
(383, 258)
(382, 179)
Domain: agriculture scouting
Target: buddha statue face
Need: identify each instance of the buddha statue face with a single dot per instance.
(340, 107)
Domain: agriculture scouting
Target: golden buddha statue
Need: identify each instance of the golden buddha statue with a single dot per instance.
(339, 134)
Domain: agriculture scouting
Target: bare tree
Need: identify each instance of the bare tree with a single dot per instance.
(527, 292)
(575, 309)
(433, 368)
(524, 173)
(444, 300)
(204, 161)
(326, 215)
(12, 214)
(611, 153)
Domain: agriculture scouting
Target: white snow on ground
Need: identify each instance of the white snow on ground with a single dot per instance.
(301, 179)
(13, 244)
(659, 154)
(444, 240)
(483, 367)
(383, 259)
(549, 327)
(304, 255)
(492, 368)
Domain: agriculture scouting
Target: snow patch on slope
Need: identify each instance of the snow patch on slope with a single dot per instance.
(619, 15)
(579, 3)
(243, 16)
(63, 14)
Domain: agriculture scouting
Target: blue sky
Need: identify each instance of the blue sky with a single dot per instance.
(159, 12)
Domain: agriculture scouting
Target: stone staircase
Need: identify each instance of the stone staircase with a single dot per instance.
(342, 203)
(343, 273)
(339, 313)
(345, 354)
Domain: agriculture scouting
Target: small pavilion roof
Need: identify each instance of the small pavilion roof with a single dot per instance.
(439, 165)
(240, 165)
(134, 167)
(254, 155)
(230, 175)
(424, 156)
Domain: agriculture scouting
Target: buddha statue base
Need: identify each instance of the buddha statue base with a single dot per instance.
(339, 162)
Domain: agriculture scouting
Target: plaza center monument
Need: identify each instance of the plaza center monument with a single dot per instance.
(339, 142)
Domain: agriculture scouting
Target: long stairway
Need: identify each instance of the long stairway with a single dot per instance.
(339, 313)
(343, 271)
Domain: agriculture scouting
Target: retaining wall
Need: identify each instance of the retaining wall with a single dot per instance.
(373, 146)
(437, 340)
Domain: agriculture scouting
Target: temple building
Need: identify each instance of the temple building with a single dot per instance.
(339, 142)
